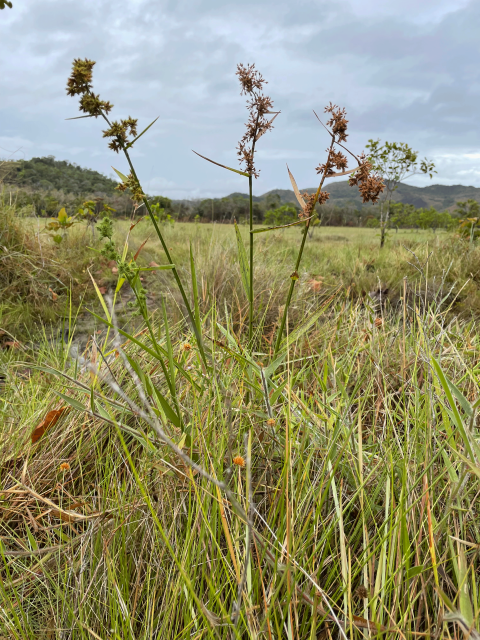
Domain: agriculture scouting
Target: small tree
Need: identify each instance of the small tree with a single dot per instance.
(281, 215)
(394, 161)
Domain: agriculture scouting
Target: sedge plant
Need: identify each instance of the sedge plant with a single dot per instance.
(370, 185)
(259, 107)
(123, 135)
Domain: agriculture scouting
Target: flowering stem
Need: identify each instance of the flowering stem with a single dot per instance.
(250, 292)
(250, 190)
(294, 276)
(165, 248)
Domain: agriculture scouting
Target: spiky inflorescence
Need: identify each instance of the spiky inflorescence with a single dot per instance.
(119, 131)
(259, 106)
(134, 186)
(80, 83)
(369, 184)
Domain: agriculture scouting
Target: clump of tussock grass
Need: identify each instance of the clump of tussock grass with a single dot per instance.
(314, 478)
(363, 444)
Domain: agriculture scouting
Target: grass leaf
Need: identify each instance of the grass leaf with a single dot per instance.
(242, 173)
(301, 201)
(120, 175)
(130, 144)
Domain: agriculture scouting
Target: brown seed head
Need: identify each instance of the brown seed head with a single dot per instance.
(336, 159)
(250, 78)
(361, 592)
(259, 106)
(338, 123)
(369, 184)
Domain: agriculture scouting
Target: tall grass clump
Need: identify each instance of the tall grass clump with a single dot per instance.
(192, 479)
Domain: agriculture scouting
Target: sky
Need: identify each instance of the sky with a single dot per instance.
(406, 71)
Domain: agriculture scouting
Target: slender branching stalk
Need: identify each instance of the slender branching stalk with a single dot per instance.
(370, 186)
(79, 83)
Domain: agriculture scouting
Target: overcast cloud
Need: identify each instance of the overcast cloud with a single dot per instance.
(405, 70)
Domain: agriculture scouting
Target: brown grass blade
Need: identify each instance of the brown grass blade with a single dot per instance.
(260, 133)
(140, 248)
(342, 173)
(295, 189)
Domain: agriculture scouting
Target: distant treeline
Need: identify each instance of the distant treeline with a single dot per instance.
(45, 185)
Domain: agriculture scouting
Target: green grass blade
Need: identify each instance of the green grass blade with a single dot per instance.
(130, 144)
(242, 173)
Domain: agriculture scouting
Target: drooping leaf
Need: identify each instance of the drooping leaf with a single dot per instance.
(49, 421)
(170, 414)
(243, 260)
(242, 173)
(71, 401)
(140, 248)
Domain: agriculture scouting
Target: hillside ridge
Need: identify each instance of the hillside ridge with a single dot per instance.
(441, 197)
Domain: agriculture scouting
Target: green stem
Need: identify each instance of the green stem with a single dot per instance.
(294, 275)
(167, 253)
(290, 291)
(250, 292)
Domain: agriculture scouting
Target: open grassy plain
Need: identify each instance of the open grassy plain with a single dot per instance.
(155, 486)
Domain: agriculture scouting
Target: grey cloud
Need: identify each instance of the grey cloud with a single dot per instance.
(404, 71)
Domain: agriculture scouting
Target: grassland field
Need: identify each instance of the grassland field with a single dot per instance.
(328, 491)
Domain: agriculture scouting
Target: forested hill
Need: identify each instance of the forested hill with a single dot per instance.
(441, 197)
(47, 173)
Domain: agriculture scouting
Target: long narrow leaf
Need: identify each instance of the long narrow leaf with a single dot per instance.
(242, 173)
(148, 350)
(130, 144)
(284, 226)
(100, 297)
(296, 191)
(309, 322)
(455, 414)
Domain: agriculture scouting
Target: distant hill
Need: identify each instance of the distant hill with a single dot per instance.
(442, 197)
(47, 173)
